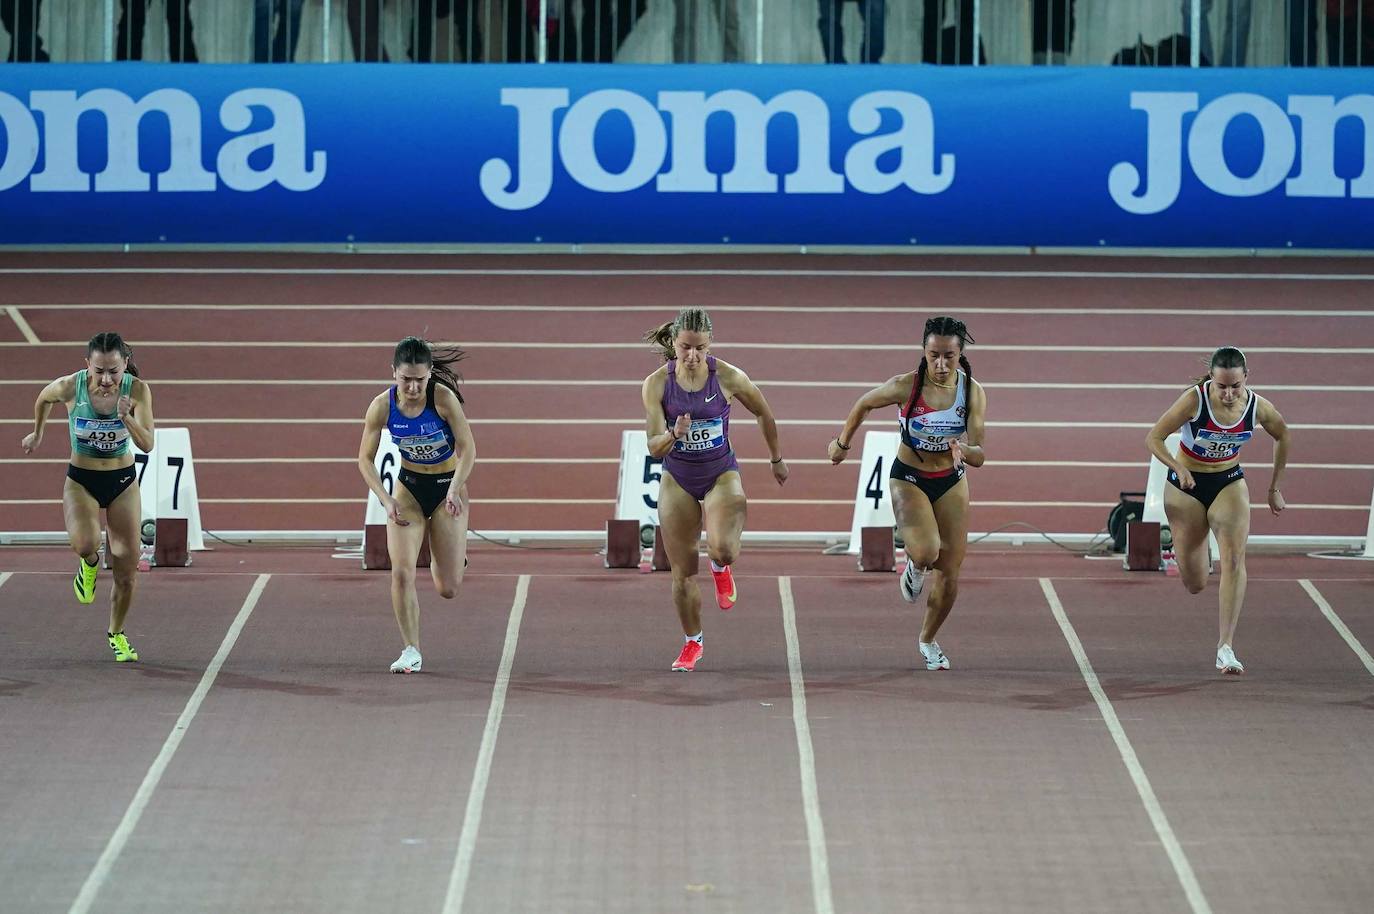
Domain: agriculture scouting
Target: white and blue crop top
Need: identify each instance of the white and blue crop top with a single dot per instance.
(424, 439)
(924, 429)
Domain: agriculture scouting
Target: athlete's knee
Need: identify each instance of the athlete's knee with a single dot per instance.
(725, 554)
(924, 554)
(1195, 583)
(402, 576)
(1233, 561)
(125, 574)
(448, 590)
(85, 546)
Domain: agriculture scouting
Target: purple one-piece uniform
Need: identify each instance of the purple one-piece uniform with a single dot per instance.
(699, 457)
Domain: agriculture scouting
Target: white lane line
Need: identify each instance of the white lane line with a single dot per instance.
(1182, 868)
(806, 756)
(23, 325)
(86, 897)
(601, 272)
(472, 816)
(723, 346)
(1346, 634)
(5, 576)
(1277, 312)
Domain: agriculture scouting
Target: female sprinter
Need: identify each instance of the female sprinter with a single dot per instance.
(107, 405)
(1216, 416)
(424, 414)
(940, 405)
(687, 407)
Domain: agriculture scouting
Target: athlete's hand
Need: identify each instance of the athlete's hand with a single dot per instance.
(1185, 478)
(1276, 502)
(683, 425)
(31, 442)
(780, 471)
(836, 453)
(393, 513)
(956, 452)
(453, 504)
(124, 407)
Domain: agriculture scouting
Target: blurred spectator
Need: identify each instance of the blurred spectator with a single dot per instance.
(427, 15)
(948, 44)
(686, 13)
(1350, 33)
(874, 13)
(1301, 16)
(365, 30)
(605, 25)
(1052, 24)
(20, 18)
(1235, 37)
(133, 17)
(288, 32)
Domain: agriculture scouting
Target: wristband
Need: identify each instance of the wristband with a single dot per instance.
(776, 462)
(843, 447)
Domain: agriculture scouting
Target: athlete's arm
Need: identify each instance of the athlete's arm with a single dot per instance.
(447, 405)
(1173, 419)
(1270, 420)
(373, 423)
(661, 438)
(895, 391)
(971, 449)
(736, 384)
(137, 412)
(63, 390)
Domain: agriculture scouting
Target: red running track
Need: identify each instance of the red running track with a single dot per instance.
(311, 780)
(1079, 356)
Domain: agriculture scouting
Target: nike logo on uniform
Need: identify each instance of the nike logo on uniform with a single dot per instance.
(126, 479)
(710, 398)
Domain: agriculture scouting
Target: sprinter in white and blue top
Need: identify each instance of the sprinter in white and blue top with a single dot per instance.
(423, 412)
(1207, 492)
(108, 408)
(940, 416)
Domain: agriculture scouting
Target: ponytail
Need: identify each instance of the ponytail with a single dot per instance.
(1223, 357)
(109, 341)
(693, 320)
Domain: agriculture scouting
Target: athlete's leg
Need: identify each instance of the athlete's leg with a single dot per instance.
(1229, 518)
(951, 518)
(448, 548)
(916, 521)
(725, 510)
(81, 512)
(403, 548)
(1188, 524)
(122, 522)
(679, 516)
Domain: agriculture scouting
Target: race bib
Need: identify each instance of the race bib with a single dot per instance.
(1220, 445)
(704, 435)
(931, 437)
(430, 448)
(106, 435)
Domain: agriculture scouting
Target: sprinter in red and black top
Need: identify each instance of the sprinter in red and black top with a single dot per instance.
(1206, 491)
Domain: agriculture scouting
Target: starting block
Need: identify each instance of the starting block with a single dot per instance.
(660, 559)
(1154, 510)
(170, 503)
(877, 549)
(622, 544)
(375, 554)
(1142, 546)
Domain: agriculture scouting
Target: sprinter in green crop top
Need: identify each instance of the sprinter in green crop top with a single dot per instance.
(107, 406)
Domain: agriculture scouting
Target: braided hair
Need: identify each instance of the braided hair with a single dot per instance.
(109, 341)
(693, 320)
(414, 350)
(948, 326)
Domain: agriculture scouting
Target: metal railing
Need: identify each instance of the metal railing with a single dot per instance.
(958, 32)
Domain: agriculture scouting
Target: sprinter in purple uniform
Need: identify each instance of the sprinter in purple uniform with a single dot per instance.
(687, 407)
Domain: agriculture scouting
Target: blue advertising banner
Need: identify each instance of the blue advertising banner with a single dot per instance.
(890, 155)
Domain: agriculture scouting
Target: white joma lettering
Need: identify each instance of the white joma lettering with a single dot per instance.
(1158, 187)
(528, 181)
(289, 166)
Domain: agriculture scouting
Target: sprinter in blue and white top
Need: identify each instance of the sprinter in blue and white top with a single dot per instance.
(1216, 416)
(941, 418)
(424, 414)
